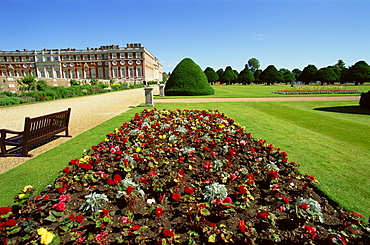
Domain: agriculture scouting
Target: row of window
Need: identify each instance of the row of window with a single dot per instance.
(72, 57)
(80, 74)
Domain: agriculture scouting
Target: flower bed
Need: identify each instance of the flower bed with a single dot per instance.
(179, 177)
(317, 90)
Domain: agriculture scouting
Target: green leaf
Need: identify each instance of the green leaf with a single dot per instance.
(205, 212)
(51, 218)
(212, 238)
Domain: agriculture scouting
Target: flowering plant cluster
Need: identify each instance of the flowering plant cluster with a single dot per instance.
(331, 89)
(179, 177)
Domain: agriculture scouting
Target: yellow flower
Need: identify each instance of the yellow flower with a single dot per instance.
(42, 231)
(21, 196)
(86, 157)
(106, 139)
(138, 149)
(47, 238)
(25, 189)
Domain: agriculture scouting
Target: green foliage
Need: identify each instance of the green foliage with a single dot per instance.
(253, 64)
(271, 75)
(245, 76)
(296, 73)
(219, 72)
(94, 81)
(214, 191)
(325, 75)
(8, 94)
(289, 77)
(212, 76)
(9, 101)
(359, 73)
(228, 76)
(94, 202)
(307, 74)
(188, 79)
(41, 85)
(256, 75)
(27, 83)
(365, 100)
(74, 82)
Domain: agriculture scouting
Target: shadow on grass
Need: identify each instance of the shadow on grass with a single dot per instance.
(345, 109)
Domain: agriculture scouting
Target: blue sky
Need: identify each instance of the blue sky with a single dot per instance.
(217, 33)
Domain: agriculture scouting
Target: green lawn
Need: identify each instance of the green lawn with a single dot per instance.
(328, 139)
(226, 91)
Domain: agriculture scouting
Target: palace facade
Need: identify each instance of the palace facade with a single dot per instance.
(130, 63)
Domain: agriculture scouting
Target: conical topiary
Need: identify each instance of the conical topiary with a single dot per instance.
(188, 79)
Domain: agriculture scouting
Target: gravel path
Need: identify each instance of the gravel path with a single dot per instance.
(87, 112)
(90, 111)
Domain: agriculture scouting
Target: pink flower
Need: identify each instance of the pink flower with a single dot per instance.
(213, 153)
(64, 198)
(282, 208)
(125, 220)
(60, 206)
(207, 166)
(227, 200)
(233, 176)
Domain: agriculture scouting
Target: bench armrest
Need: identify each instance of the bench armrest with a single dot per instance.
(8, 131)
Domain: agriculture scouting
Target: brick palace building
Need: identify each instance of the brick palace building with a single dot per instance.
(130, 63)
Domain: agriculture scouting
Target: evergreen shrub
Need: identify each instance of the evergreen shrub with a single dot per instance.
(188, 79)
(9, 101)
(365, 100)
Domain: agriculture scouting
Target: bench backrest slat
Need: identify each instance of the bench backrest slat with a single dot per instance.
(45, 125)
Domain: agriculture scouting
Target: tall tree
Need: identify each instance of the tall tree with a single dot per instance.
(296, 72)
(289, 77)
(271, 75)
(325, 75)
(245, 76)
(307, 74)
(219, 72)
(253, 64)
(359, 73)
(341, 66)
(211, 75)
(228, 76)
(256, 75)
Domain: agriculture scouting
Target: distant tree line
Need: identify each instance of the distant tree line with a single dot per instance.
(358, 73)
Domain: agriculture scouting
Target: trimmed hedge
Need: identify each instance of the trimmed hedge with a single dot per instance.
(188, 79)
(9, 101)
(365, 100)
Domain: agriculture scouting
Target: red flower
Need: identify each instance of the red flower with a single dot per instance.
(5, 210)
(176, 196)
(286, 200)
(273, 174)
(263, 214)
(304, 206)
(72, 217)
(167, 232)
(357, 214)
(212, 224)
(242, 227)
(135, 227)
(129, 190)
(61, 190)
(158, 212)
(10, 222)
(80, 218)
(189, 190)
(242, 189)
(117, 178)
(144, 180)
(311, 177)
(66, 170)
(311, 230)
(46, 198)
(105, 211)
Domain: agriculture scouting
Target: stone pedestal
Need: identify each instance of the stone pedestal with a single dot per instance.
(149, 97)
(161, 90)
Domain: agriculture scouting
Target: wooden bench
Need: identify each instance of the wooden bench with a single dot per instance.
(36, 129)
